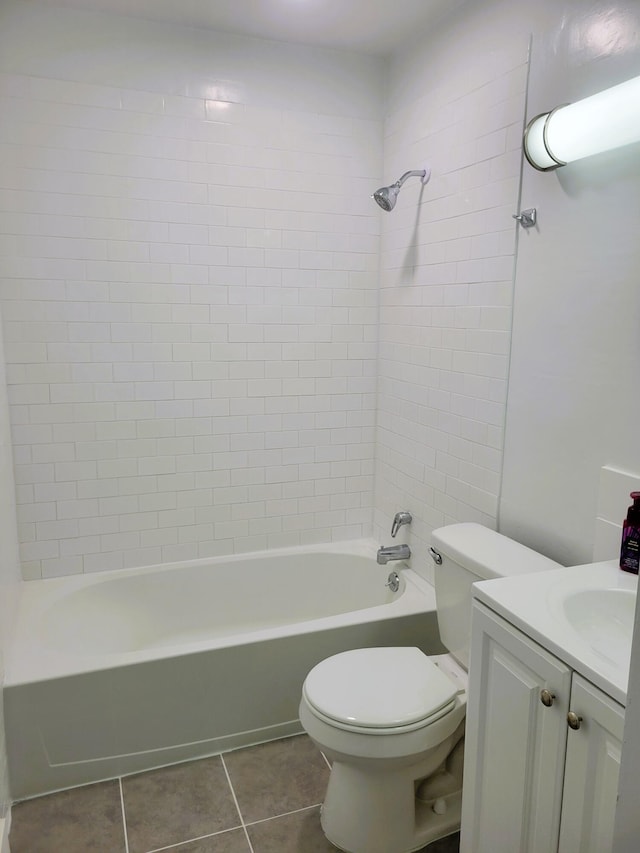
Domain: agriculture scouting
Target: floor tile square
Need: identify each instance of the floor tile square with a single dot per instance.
(80, 820)
(277, 777)
(293, 833)
(177, 803)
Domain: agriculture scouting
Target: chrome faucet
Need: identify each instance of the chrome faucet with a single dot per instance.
(392, 552)
(395, 552)
(399, 519)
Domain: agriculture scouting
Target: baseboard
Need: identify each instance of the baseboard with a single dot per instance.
(4, 834)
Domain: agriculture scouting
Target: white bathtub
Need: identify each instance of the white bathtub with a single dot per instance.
(123, 671)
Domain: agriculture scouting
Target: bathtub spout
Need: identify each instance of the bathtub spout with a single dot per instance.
(392, 552)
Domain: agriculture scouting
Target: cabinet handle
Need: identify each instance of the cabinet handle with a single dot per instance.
(574, 720)
(547, 697)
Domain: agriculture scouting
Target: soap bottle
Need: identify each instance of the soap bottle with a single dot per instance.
(630, 549)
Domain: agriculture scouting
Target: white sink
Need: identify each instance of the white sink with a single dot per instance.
(604, 619)
(583, 614)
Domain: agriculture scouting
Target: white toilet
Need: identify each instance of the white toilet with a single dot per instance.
(391, 720)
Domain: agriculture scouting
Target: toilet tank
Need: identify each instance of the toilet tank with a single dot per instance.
(470, 553)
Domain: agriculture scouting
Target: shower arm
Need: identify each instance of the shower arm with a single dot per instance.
(418, 173)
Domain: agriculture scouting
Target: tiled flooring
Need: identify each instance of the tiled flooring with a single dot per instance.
(262, 799)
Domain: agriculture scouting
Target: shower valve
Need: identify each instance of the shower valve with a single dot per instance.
(399, 519)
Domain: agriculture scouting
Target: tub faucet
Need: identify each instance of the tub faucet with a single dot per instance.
(392, 552)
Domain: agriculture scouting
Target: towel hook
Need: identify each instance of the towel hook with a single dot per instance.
(527, 218)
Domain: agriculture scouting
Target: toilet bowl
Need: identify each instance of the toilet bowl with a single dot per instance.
(391, 720)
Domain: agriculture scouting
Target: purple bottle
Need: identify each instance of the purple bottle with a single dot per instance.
(630, 549)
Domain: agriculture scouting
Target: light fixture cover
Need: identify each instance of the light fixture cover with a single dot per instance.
(609, 119)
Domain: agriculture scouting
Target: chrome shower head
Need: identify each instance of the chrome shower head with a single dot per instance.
(386, 197)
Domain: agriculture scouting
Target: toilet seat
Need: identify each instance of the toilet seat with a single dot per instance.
(379, 691)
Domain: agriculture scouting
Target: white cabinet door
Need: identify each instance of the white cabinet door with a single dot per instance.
(515, 745)
(592, 770)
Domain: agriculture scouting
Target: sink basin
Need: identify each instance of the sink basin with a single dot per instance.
(584, 615)
(604, 619)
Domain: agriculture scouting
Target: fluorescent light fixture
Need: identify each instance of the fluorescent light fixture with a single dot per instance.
(599, 123)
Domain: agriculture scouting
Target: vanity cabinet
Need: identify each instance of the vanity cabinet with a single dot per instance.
(531, 783)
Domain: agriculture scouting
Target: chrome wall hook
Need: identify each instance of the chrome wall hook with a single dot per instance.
(527, 218)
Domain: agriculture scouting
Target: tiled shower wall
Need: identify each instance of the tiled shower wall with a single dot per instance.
(189, 294)
(191, 301)
(456, 103)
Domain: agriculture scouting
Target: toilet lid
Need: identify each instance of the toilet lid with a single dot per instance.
(379, 688)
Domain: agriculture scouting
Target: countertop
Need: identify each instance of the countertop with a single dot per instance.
(535, 603)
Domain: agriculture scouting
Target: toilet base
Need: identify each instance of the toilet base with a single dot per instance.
(431, 827)
(379, 813)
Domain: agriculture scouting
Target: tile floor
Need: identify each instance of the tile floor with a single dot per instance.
(261, 799)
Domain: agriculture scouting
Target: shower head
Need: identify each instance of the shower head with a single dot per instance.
(386, 197)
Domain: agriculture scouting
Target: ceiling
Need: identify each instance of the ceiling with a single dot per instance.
(368, 26)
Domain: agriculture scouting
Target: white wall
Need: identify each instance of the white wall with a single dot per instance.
(574, 387)
(190, 291)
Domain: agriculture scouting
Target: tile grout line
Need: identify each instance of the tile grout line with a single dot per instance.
(285, 814)
(235, 800)
(327, 762)
(124, 816)
(179, 844)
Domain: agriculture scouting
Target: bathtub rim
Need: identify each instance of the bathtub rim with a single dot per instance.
(27, 661)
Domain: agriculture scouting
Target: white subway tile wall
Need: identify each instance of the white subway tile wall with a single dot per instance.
(195, 284)
(447, 263)
(189, 300)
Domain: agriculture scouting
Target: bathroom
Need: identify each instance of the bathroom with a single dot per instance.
(216, 343)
